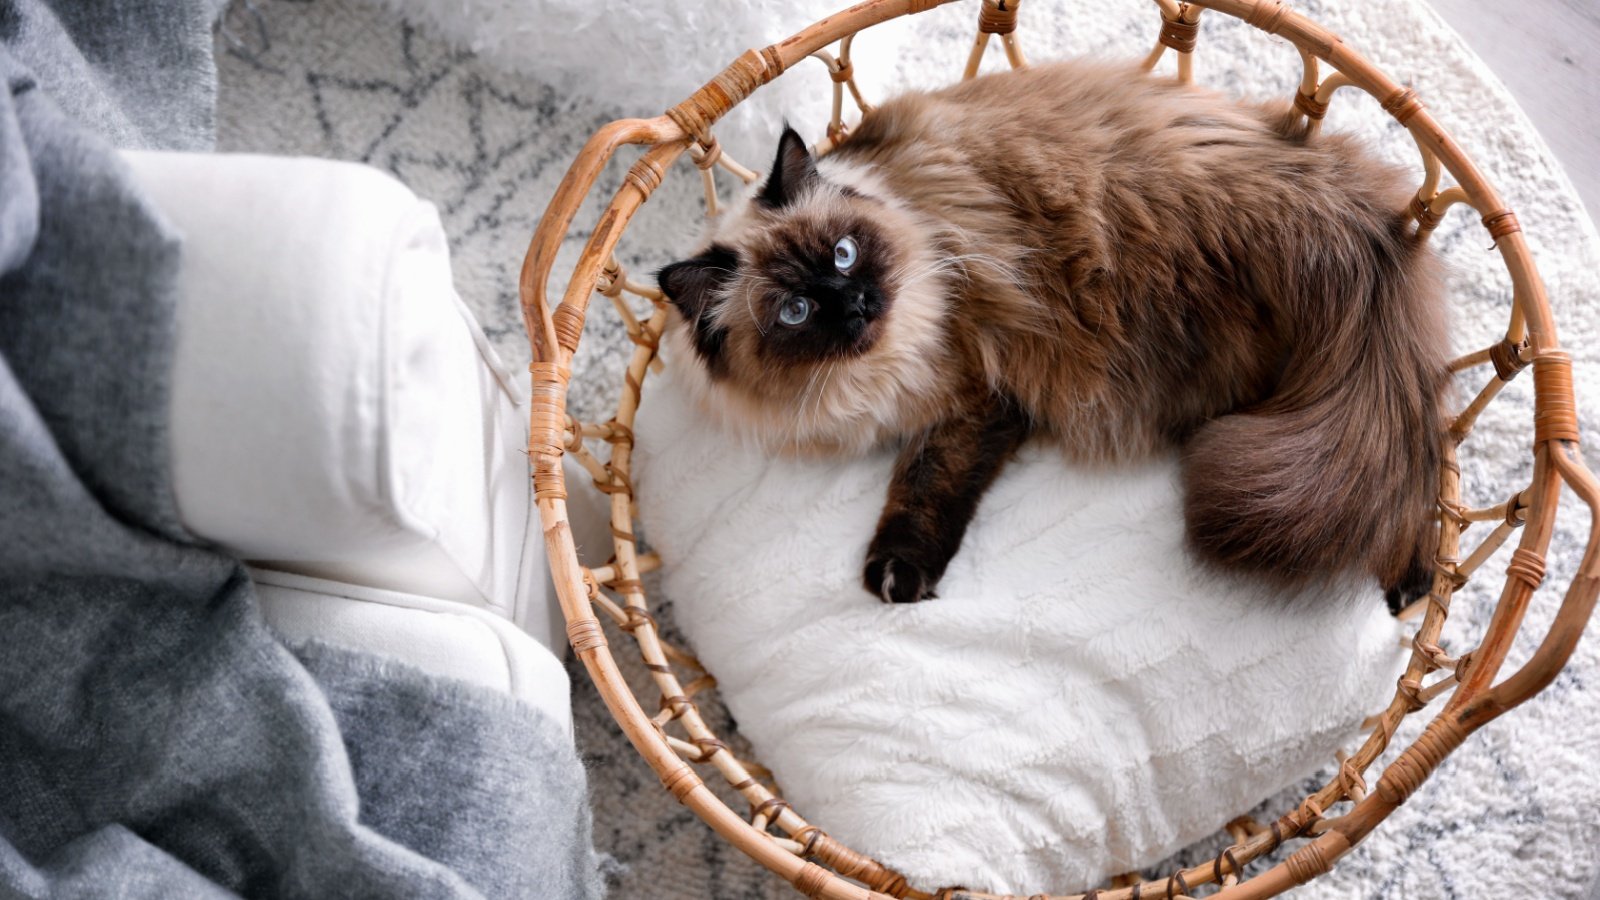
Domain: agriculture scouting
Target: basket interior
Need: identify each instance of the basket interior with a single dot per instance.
(1459, 684)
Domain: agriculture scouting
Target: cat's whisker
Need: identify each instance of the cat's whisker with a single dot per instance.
(926, 271)
(750, 308)
(822, 392)
(806, 396)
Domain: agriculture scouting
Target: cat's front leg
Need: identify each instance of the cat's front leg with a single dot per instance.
(938, 480)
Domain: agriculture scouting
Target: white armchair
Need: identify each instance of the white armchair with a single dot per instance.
(339, 420)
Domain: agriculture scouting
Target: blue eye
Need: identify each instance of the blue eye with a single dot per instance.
(844, 254)
(795, 311)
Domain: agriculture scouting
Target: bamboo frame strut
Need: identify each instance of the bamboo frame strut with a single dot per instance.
(675, 739)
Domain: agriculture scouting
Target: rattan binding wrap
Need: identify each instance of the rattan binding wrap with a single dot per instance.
(669, 732)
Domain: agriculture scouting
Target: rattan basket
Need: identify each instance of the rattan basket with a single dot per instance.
(676, 741)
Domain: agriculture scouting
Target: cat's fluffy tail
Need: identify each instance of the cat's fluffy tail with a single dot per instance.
(1338, 469)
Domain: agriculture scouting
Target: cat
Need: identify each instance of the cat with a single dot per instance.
(1116, 262)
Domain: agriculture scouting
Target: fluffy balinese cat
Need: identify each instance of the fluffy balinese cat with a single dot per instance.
(1114, 261)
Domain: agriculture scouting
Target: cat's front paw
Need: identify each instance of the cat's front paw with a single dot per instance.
(894, 579)
(1410, 587)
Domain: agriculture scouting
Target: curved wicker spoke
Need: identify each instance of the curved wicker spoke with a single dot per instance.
(1180, 29)
(675, 738)
(842, 73)
(995, 18)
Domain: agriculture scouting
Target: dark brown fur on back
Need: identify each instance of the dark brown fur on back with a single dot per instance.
(1123, 264)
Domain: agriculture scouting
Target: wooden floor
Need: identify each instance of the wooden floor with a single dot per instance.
(1548, 53)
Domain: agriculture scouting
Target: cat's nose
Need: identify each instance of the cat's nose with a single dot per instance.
(856, 303)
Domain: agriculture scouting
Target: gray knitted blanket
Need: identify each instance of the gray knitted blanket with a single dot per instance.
(156, 740)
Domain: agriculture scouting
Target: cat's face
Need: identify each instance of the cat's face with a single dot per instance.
(802, 275)
(811, 296)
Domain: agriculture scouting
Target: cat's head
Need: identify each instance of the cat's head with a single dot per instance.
(815, 307)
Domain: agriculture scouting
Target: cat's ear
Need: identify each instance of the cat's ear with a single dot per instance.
(792, 171)
(692, 286)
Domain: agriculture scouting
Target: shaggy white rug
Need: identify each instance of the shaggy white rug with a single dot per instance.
(1510, 813)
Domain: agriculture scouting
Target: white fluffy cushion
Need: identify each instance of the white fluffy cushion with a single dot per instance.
(336, 410)
(1078, 702)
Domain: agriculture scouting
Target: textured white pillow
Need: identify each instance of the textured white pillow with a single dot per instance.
(1078, 702)
(336, 410)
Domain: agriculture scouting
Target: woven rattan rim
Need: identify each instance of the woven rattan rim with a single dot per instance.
(776, 835)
